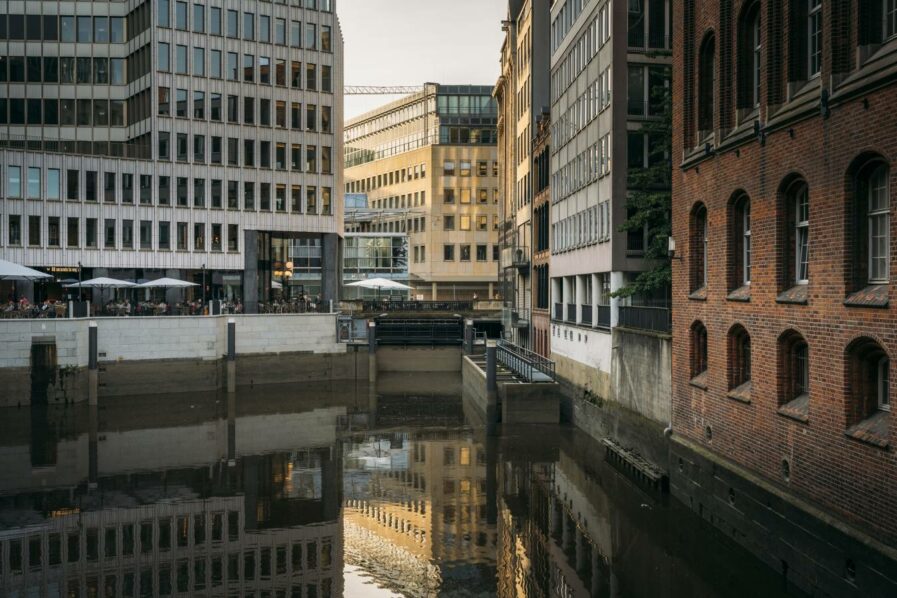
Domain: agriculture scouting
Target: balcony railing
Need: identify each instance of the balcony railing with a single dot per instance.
(603, 316)
(417, 306)
(517, 256)
(571, 312)
(525, 363)
(559, 311)
(586, 314)
(657, 319)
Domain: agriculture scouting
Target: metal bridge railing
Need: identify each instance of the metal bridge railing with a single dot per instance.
(418, 306)
(525, 363)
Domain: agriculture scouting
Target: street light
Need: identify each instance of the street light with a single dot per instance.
(285, 277)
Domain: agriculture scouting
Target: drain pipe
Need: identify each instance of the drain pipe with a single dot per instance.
(668, 431)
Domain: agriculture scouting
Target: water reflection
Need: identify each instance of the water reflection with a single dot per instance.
(334, 490)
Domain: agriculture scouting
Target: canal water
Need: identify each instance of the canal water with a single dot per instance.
(322, 491)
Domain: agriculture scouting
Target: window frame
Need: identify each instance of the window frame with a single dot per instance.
(880, 214)
(814, 38)
(801, 235)
(882, 385)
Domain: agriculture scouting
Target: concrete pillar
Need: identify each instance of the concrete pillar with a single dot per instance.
(491, 373)
(250, 272)
(616, 283)
(491, 291)
(330, 267)
(433, 292)
(92, 364)
(231, 355)
(469, 336)
(372, 351)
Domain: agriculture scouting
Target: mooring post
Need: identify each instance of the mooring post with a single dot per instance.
(231, 355)
(491, 371)
(93, 381)
(372, 351)
(468, 337)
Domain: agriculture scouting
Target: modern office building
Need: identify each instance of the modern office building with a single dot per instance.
(607, 60)
(523, 96)
(369, 254)
(783, 330)
(431, 158)
(201, 141)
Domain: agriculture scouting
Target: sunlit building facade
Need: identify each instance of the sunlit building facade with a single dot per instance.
(146, 139)
(428, 163)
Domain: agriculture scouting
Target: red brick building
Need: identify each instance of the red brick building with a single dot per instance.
(785, 179)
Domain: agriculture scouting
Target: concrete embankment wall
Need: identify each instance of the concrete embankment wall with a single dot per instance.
(173, 354)
(418, 359)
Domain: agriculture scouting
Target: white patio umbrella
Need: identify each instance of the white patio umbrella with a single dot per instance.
(102, 283)
(379, 283)
(13, 271)
(166, 283)
(276, 285)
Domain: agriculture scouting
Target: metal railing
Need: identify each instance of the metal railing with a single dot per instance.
(418, 306)
(517, 256)
(657, 319)
(430, 331)
(558, 311)
(525, 363)
(603, 316)
(571, 312)
(586, 314)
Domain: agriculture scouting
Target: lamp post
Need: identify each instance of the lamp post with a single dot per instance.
(287, 275)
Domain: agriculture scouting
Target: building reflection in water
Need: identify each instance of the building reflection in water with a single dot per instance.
(277, 493)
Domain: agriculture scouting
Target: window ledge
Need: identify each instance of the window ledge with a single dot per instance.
(872, 430)
(741, 393)
(742, 294)
(699, 294)
(699, 381)
(797, 409)
(875, 295)
(797, 295)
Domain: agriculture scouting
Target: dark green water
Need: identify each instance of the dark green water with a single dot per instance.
(336, 490)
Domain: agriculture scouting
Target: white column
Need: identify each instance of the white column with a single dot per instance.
(616, 282)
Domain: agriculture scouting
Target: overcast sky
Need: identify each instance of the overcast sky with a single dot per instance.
(410, 42)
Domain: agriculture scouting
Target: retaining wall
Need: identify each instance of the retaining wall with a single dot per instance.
(172, 354)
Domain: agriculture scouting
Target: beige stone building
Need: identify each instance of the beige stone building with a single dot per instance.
(428, 165)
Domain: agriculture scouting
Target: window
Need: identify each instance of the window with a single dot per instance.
(34, 230)
(146, 234)
(698, 350)
(199, 236)
(71, 232)
(868, 386)
(164, 57)
(482, 253)
(465, 168)
(749, 57)
(448, 168)
(739, 358)
(109, 233)
(127, 234)
(448, 222)
(706, 86)
(180, 15)
(794, 375)
(53, 184)
(465, 253)
(801, 234)
(740, 248)
(199, 62)
(199, 18)
(233, 239)
(181, 59)
(814, 37)
(14, 181)
(164, 16)
(215, 20)
(233, 23)
(14, 232)
(698, 241)
(164, 235)
(311, 36)
(248, 26)
(465, 222)
(448, 253)
(34, 175)
(448, 196)
(878, 208)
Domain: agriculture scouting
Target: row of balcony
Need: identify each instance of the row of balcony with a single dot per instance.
(656, 319)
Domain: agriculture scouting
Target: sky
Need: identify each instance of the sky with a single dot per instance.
(411, 42)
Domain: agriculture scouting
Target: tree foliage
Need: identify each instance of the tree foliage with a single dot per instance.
(649, 204)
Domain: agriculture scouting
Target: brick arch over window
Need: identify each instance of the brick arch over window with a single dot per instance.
(738, 216)
(749, 59)
(707, 83)
(739, 357)
(697, 247)
(794, 211)
(868, 239)
(793, 375)
(867, 387)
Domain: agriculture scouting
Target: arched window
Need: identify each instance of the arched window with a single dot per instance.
(870, 227)
(706, 86)
(793, 376)
(698, 241)
(868, 386)
(814, 37)
(698, 350)
(749, 51)
(739, 361)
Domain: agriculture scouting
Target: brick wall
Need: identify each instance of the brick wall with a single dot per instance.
(851, 477)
